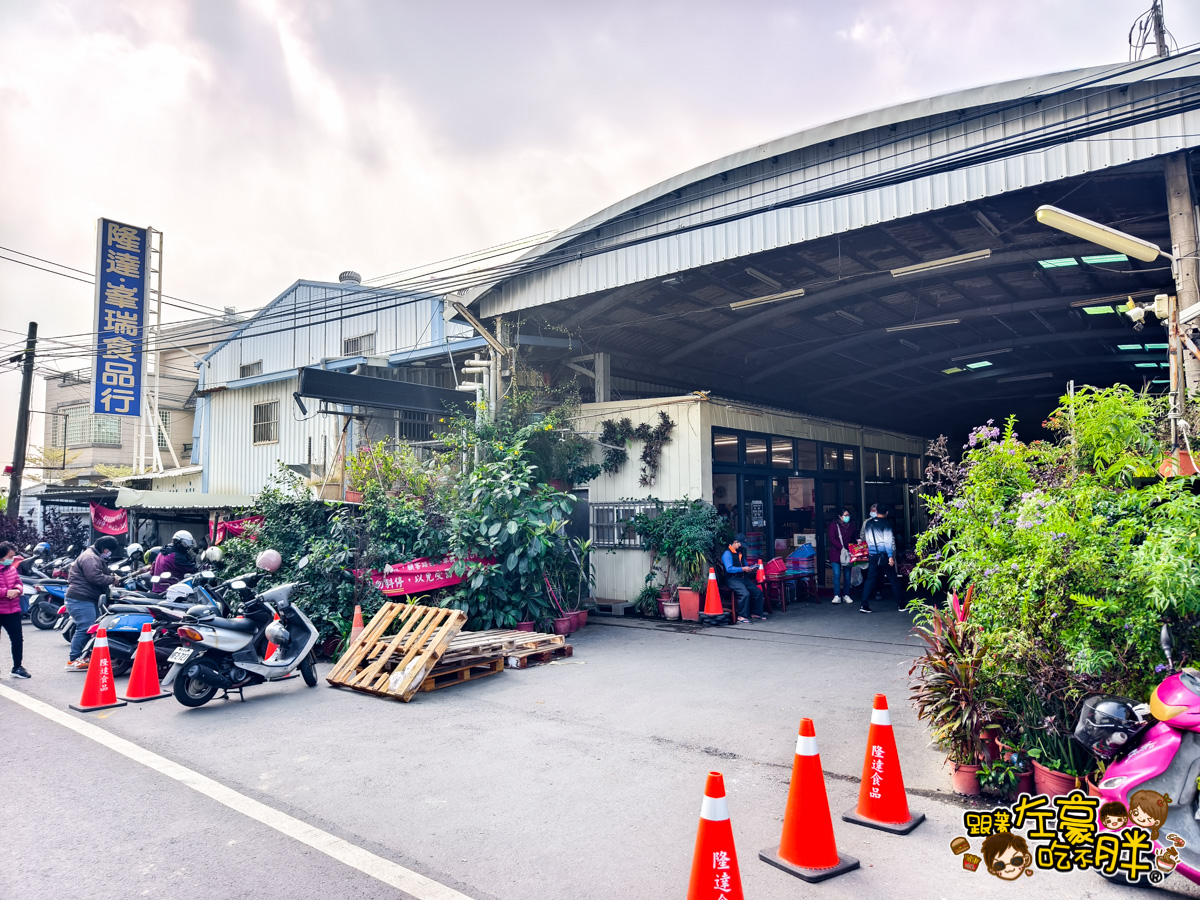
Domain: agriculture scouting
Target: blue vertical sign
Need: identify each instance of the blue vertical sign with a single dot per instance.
(122, 264)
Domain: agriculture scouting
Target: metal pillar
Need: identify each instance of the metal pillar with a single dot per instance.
(602, 367)
(18, 463)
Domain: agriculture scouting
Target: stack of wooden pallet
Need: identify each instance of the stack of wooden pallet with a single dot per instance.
(428, 650)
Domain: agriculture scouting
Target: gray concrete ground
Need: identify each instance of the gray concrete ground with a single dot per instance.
(580, 779)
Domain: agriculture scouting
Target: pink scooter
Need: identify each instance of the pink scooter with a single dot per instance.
(1161, 756)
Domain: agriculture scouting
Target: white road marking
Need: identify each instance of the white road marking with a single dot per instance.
(377, 867)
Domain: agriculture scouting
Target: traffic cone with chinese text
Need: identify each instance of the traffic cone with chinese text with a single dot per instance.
(713, 613)
(99, 690)
(715, 874)
(807, 848)
(882, 802)
(357, 627)
(143, 680)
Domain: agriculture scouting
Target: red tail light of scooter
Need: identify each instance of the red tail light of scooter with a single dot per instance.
(62, 610)
(94, 628)
(190, 634)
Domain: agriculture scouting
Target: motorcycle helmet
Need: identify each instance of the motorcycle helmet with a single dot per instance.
(182, 540)
(180, 593)
(152, 554)
(278, 634)
(134, 553)
(213, 555)
(42, 549)
(1107, 724)
(201, 612)
(269, 560)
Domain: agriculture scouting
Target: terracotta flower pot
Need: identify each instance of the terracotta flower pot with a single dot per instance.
(562, 625)
(671, 610)
(525, 626)
(1052, 783)
(1025, 782)
(1092, 790)
(689, 604)
(578, 617)
(582, 615)
(662, 613)
(965, 779)
(353, 496)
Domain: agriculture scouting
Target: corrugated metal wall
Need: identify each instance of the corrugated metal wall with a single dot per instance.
(823, 165)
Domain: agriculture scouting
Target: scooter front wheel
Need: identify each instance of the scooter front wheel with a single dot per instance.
(43, 616)
(192, 691)
(121, 664)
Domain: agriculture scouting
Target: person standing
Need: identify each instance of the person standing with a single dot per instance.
(87, 580)
(881, 545)
(862, 529)
(747, 598)
(10, 605)
(839, 536)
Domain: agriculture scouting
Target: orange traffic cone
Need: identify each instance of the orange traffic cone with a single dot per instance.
(882, 802)
(713, 613)
(357, 627)
(143, 680)
(761, 575)
(99, 690)
(271, 648)
(715, 874)
(807, 848)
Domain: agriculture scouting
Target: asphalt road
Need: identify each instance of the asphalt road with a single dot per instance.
(581, 779)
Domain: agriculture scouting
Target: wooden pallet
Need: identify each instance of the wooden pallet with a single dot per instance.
(397, 665)
(523, 659)
(438, 679)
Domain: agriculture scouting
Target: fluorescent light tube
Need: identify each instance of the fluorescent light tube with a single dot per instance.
(769, 298)
(941, 263)
(1119, 241)
(982, 353)
(915, 325)
(765, 279)
(849, 317)
(910, 345)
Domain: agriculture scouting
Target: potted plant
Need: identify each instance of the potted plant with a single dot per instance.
(647, 599)
(679, 537)
(671, 609)
(1060, 765)
(998, 777)
(949, 692)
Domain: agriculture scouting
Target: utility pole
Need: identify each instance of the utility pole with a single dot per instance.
(1160, 28)
(1181, 214)
(18, 464)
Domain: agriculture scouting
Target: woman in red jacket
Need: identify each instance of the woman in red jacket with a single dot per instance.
(10, 605)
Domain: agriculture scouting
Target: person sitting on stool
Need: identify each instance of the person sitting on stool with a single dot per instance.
(881, 544)
(747, 598)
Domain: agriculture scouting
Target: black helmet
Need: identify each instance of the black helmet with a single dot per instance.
(1107, 724)
(201, 612)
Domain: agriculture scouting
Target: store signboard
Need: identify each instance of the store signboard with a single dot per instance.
(122, 273)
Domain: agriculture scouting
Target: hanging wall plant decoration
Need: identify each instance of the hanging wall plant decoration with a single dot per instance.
(616, 435)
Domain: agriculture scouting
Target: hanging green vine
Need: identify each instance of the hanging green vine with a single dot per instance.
(618, 434)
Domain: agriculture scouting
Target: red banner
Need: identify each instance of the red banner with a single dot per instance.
(235, 528)
(417, 576)
(109, 521)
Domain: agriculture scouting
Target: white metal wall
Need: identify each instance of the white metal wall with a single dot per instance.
(868, 145)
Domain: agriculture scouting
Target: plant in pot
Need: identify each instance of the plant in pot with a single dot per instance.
(680, 536)
(998, 777)
(949, 692)
(647, 599)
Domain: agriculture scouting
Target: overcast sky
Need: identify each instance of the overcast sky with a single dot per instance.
(272, 140)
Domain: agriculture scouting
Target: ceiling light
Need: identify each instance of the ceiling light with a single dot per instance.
(674, 279)
(769, 298)
(1161, 381)
(1129, 346)
(951, 370)
(940, 263)
(910, 345)
(982, 364)
(1098, 310)
(1146, 365)
(1158, 346)
(1097, 233)
(1105, 258)
(915, 325)
(849, 317)
(1061, 263)
(1012, 378)
(765, 279)
(981, 353)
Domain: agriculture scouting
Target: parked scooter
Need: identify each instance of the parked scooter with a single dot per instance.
(1162, 756)
(224, 654)
(40, 606)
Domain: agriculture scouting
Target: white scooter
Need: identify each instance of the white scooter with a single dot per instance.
(228, 654)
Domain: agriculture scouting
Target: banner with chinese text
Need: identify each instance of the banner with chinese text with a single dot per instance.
(418, 575)
(109, 521)
(122, 273)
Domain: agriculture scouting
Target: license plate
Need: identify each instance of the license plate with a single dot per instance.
(180, 655)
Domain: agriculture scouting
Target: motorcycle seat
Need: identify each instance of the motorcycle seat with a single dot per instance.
(127, 608)
(244, 625)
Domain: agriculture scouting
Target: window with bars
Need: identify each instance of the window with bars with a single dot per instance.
(415, 426)
(266, 422)
(363, 345)
(249, 369)
(164, 416)
(609, 524)
(80, 426)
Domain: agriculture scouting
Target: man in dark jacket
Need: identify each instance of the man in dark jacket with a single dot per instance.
(747, 597)
(87, 580)
(881, 545)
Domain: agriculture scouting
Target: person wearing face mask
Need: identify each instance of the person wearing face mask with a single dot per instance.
(839, 536)
(862, 529)
(10, 605)
(87, 580)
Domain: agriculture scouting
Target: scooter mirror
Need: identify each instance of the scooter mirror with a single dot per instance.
(208, 573)
(238, 585)
(302, 563)
(155, 579)
(1166, 640)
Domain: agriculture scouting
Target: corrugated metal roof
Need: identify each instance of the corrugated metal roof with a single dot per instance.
(671, 220)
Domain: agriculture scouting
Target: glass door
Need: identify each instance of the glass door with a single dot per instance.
(756, 515)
